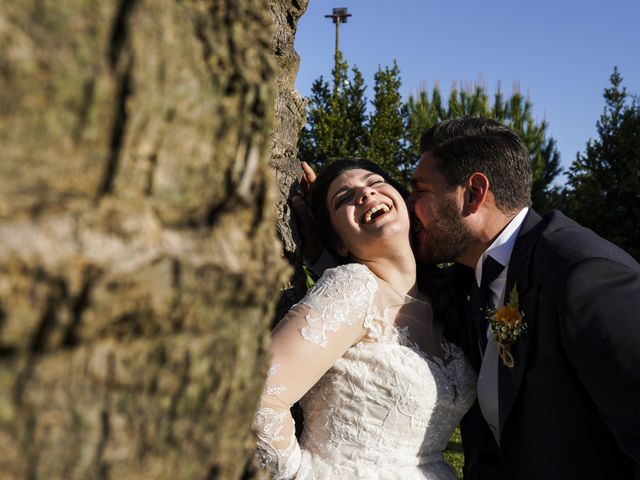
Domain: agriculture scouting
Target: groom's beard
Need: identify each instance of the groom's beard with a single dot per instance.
(446, 238)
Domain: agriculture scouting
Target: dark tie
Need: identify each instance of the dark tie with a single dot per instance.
(480, 298)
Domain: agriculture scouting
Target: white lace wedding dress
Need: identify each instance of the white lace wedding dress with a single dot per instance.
(376, 405)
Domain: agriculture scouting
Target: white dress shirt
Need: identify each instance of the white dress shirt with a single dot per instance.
(500, 250)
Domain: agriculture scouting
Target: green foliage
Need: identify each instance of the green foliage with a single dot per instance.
(453, 453)
(516, 112)
(338, 125)
(388, 125)
(337, 121)
(604, 181)
(308, 277)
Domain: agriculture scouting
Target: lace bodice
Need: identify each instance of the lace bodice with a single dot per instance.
(376, 403)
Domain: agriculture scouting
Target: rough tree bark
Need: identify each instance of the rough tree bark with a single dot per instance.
(290, 116)
(139, 262)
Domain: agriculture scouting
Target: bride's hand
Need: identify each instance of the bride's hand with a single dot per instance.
(307, 180)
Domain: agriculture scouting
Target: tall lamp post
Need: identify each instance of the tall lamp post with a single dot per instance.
(339, 15)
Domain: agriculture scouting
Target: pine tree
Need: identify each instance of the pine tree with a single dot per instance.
(336, 118)
(422, 113)
(388, 125)
(338, 124)
(545, 158)
(515, 112)
(312, 137)
(604, 181)
(358, 120)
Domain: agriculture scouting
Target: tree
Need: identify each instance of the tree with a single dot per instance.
(339, 126)
(422, 113)
(139, 264)
(515, 112)
(388, 125)
(604, 181)
(545, 158)
(337, 119)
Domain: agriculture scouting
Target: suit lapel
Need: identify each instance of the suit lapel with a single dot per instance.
(510, 379)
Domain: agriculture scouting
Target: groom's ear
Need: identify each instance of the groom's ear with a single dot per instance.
(476, 191)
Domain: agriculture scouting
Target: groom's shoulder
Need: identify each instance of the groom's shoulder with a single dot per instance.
(556, 227)
(566, 241)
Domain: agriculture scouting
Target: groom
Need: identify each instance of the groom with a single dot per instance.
(562, 400)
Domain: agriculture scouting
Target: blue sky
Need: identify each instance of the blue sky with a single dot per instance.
(560, 53)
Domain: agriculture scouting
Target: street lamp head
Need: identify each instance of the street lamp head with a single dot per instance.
(342, 12)
(339, 15)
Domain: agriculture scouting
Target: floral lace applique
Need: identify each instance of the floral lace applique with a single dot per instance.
(450, 367)
(268, 424)
(274, 390)
(283, 463)
(273, 369)
(341, 296)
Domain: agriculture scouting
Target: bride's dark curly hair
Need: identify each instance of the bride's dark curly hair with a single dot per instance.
(432, 280)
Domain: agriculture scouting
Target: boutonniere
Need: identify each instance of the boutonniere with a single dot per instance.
(508, 326)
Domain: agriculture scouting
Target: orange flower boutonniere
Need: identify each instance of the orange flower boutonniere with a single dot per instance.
(508, 325)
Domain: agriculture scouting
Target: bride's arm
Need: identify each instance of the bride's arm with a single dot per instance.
(305, 344)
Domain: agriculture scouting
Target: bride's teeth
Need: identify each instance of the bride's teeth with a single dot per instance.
(369, 213)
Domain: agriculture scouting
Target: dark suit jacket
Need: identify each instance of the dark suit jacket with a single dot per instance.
(570, 408)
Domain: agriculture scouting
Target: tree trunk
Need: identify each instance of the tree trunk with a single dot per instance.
(290, 115)
(139, 262)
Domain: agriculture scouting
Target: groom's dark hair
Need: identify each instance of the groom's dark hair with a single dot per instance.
(464, 146)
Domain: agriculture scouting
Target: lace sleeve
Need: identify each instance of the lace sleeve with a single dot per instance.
(342, 296)
(306, 343)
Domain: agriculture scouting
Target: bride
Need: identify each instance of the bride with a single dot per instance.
(380, 388)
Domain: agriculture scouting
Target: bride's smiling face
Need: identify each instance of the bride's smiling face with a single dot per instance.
(366, 212)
